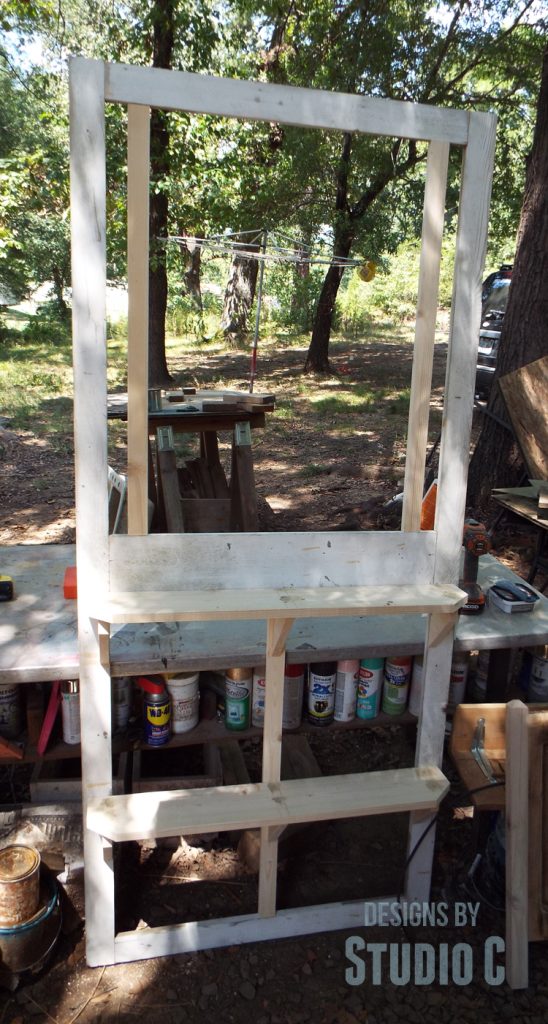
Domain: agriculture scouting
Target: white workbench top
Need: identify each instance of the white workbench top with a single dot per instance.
(38, 629)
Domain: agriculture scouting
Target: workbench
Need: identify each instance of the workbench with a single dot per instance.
(523, 502)
(204, 414)
(38, 636)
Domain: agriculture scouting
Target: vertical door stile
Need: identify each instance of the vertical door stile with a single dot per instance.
(138, 159)
(425, 327)
(88, 230)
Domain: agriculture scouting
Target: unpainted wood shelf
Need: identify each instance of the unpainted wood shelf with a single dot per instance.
(223, 808)
(276, 603)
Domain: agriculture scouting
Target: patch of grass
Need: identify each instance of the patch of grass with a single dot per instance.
(359, 399)
(398, 403)
(283, 410)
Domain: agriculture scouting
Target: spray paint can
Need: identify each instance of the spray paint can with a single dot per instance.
(292, 711)
(458, 679)
(238, 690)
(346, 690)
(538, 682)
(156, 710)
(397, 675)
(11, 719)
(70, 710)
(416, 688)
(258, 697)
(322, 678)
(480, 681)
(121, 702)
(369, 687)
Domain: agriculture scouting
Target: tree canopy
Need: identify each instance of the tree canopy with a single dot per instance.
(211, 175)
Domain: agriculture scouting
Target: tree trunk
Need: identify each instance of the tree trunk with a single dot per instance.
(496, 461)
(239, 294)
(163, 31)
(192, 257)
(346, 226)
(58, 288)
(317, 358)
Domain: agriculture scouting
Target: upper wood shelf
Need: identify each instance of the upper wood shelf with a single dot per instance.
(283, 603)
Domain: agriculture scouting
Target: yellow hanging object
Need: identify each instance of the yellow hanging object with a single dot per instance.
(367, 270)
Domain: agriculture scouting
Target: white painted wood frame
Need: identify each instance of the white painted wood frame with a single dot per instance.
(238, 576)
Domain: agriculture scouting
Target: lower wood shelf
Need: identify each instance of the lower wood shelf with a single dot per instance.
(207, 731)
(223, 808)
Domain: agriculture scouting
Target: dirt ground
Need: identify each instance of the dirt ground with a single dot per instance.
(329, 458)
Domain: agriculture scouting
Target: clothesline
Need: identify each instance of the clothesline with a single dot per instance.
(299, 253)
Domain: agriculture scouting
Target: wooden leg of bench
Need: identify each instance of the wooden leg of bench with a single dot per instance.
(517, 845)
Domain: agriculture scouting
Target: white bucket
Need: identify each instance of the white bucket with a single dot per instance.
(185, 701)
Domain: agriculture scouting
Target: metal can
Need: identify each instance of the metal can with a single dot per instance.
(538, 683)
(70, 710)
(322, 679)
(346, 690)
(238, 687)
(121, 702)
(19, 884)
(369, 687)
(257, 703)
(458, 679)
(416, 688)
(292, 711)
(156, 718)
(11, 719)
(397, 674)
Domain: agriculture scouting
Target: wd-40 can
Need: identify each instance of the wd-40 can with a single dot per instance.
(156, 710)
(322, 679)
(238, 688)
(369, 687)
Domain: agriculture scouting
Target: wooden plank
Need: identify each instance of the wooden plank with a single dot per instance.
(229, 931)
(289, 603)
(88, 228)
(206, 515)
(151, 815)
(233, 764)
(209, 449)
(311, 108)
(298, 762)
(169, 483)
(276, 634)
(525, 392)
(199, 472)
(425, 329)
(272, 560)
(538, 838)
(438, 651)
(461, 360)
(137, 270)
(517, 844)
(244, 511)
